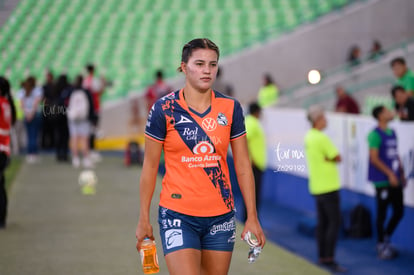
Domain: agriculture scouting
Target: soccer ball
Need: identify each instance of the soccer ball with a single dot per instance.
(88, 180)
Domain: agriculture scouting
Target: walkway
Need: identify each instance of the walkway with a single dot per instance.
(53, 229)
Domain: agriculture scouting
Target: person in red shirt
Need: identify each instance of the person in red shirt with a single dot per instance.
(157, 90)
(96, 87)
(345, 103)
(194, 127)
(7, 118)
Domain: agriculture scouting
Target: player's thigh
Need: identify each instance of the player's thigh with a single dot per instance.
(184, 262)
(215, 262)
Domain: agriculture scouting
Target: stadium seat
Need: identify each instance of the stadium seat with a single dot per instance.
(128, 40)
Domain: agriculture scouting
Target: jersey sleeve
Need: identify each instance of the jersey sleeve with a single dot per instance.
(374, 140)
(329, 148)
(156, 128)
(410, 85)
(238, 128)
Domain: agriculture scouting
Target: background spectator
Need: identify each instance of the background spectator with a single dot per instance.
(354, 56)
(7, 118)
(256, 142)
(345, 103)
(404, 103)
(157, 90)
(324, 184)
(48, 118)
(30, 102)
(386, 172)
(404, 75)
(269, 93)
(221, 86)
(80, 114)
(18, 134)
(376, 51)
(62, 91)
(96, 88)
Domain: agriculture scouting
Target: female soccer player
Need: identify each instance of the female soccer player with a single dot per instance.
(194, 126)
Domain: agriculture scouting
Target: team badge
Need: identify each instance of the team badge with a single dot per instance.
(222, 119)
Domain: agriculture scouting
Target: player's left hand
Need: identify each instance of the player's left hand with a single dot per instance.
(403, 181)
(253, 225)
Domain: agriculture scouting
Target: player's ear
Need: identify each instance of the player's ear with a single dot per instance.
(184, 67)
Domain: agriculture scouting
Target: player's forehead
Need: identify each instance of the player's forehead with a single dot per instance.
(203, 55)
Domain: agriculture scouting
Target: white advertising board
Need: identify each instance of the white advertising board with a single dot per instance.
(285, 130)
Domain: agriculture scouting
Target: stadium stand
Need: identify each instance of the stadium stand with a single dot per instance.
(128, 40)
(370, 83)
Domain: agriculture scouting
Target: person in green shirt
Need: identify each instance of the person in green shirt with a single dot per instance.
(269, 93)
(386, 172)
(256, 143)
(324, 183)
(405, 77)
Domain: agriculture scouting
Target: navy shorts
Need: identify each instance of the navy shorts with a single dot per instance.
(179, 231)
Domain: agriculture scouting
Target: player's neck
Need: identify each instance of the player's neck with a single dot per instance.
(196, 100)
(383, 125)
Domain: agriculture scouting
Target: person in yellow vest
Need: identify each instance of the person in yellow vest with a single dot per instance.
(324, 184)
(256, 143)
(17, 133)
(269, 93)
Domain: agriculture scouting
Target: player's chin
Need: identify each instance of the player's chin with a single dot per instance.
(204, 87)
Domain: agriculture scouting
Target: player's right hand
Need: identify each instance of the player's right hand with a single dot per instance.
(144, 230)
(393, 180)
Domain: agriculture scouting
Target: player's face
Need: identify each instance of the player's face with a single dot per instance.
(400, 97)
(398, 69)
(201, 69)
(387, 115)
(323, 121)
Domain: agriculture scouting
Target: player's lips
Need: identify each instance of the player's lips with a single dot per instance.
(206, 78)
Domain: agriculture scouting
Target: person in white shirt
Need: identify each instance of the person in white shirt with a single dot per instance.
(30, 97)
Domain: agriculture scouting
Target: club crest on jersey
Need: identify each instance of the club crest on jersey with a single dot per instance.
(222, 119)
(203, 147)
(209, 124)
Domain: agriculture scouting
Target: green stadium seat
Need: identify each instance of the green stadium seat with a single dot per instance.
(373, 100)
(128, 40)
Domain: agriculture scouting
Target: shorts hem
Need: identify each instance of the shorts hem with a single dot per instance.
(178, 249)
(218, 249)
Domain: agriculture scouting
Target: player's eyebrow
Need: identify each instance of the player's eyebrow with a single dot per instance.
(201, 60)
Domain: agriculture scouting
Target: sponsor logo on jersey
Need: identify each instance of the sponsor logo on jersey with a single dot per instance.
(168, 223)
(203, 147)
(209, 124)
(173, 238)
(190, 134)
(232, 239)
(183, 119)
(223, 227)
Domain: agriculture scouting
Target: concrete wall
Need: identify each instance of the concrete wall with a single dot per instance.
(6, 8)
(323, 45)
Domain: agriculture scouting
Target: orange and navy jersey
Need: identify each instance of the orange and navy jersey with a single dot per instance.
(197, 180)
(5, 124)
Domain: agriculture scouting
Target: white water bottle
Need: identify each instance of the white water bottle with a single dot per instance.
(254, 250)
